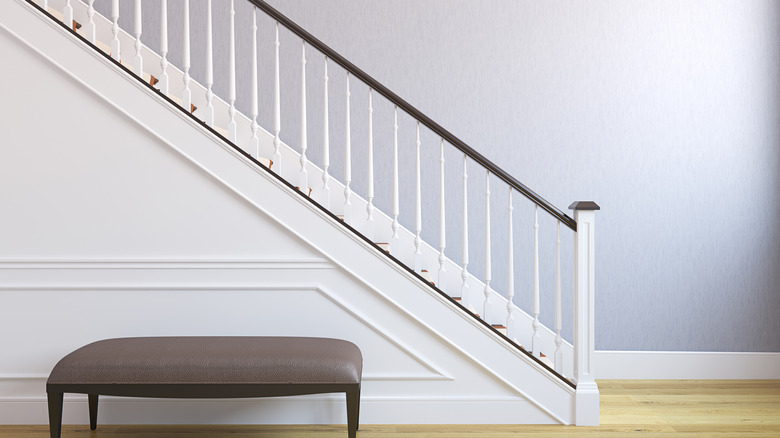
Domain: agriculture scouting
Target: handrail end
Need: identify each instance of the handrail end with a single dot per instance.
(584, 205)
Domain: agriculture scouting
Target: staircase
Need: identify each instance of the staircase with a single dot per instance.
(555, 376)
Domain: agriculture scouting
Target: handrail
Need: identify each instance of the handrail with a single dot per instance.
(414, 112)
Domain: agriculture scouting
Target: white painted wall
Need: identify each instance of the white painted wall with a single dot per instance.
(125, 218)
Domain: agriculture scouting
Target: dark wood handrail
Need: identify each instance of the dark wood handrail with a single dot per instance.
(414, 112)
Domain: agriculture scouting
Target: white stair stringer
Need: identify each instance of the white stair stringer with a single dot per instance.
(309, 223)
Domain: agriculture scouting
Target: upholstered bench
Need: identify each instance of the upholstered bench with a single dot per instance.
(207, 367)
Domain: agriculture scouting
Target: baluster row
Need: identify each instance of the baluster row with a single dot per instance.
(513, 331)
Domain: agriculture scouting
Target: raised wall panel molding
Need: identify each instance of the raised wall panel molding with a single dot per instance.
(80, 264)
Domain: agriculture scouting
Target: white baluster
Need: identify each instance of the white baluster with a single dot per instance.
(369, 231)
(558, 319)
(586, 411)
(511, 323)
(164, 46)
(488, 267)
(139, 60)
(115, 30)
(417, 207)
(303, 179)
(325, 141)
(442, 281)
(464, 258)
(89, 30)
(537, 336)
(254, 106)
(396, 207)
(186, 96)
(277, 157)
(67, 14)
(208, 115)
(232, 126)
(347, 164)
(44, 4)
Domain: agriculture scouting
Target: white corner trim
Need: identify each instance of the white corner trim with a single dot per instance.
(686, 365)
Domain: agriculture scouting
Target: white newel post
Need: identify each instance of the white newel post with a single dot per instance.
(587, 395)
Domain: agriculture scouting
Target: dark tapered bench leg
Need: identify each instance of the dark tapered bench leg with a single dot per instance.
(93, 405)
(353, 411)
(357, 420)
(55, 413)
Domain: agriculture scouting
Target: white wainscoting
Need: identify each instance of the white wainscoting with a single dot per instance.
(410, 376)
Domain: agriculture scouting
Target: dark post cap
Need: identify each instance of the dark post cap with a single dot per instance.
(584, 205)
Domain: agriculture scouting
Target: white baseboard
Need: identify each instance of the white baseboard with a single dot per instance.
(686, 365)
(328, 409)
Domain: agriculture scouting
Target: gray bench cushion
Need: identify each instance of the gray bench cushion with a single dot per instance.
(211, 360)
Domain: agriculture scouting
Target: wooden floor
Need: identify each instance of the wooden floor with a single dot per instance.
(669, 408)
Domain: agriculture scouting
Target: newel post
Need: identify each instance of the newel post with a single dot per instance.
(587, 395)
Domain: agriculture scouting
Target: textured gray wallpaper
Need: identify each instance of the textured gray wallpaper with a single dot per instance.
(666, 113)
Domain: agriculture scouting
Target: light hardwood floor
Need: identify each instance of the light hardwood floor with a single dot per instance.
(668, 408)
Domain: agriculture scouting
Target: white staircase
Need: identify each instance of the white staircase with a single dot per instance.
(460, 321)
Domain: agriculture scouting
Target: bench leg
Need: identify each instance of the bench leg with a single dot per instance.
(357, 420)
(353, 412)
(93, 406)
(55, 413)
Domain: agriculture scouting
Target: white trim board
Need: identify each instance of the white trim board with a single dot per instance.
(686, 365)
(315, 409)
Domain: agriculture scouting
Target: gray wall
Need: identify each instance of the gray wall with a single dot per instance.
(664, 112)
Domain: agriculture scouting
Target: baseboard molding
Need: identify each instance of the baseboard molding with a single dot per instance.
(326, 409)
(686, 365)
